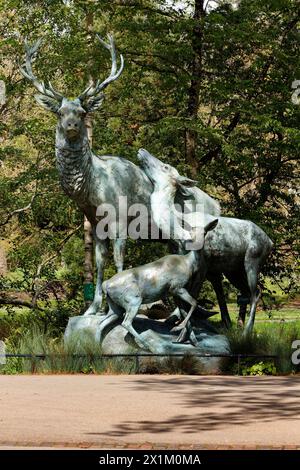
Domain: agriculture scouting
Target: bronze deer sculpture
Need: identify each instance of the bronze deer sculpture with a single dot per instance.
(91, 180)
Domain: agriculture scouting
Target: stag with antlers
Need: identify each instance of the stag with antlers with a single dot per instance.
(89, 180)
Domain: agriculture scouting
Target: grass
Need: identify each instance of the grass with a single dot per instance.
(268, 339)
(67, 358)
(264, 316)
(74, 357)
(186, 365)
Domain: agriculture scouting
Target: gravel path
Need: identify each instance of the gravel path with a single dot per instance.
(141, 411)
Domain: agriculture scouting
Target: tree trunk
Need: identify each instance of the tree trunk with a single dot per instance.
(88, 284)
(3, 262)
(193, 94)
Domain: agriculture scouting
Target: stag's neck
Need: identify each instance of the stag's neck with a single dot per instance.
(74, 163)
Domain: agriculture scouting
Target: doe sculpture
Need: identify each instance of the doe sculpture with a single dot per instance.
(236, 248)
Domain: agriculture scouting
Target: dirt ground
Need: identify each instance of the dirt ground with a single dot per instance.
(149, 411)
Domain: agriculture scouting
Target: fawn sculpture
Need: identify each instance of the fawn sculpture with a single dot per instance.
(128, 290)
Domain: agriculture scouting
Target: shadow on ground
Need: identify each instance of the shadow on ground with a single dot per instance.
(217, 402)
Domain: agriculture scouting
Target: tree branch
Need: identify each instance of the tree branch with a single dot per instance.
(21, 299)
(47, 261)
(236, 118)
(18, 211)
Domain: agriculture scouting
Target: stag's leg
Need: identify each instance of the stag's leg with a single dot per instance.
(252, 269)
(101, 250)
(218, 288)
(119, 253)
(176, 315)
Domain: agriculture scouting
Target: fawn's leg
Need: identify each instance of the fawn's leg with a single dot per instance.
(113, 315)
(131, 313)
(185, 326)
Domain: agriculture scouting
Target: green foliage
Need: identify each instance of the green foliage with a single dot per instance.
(261, 368)
(270, 339)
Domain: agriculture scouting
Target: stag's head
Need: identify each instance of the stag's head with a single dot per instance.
(71, 113)
(162, 175)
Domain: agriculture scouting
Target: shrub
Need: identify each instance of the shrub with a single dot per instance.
(260, 368)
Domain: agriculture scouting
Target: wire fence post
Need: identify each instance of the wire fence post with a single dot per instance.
(137, 364)
(33, 365)
(239, 364)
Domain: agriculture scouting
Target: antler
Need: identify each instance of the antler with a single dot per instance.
(26, 70)
(94, 90)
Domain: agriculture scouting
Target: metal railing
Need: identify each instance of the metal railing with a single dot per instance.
(137, 357)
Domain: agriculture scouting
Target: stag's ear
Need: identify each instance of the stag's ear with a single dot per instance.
(92, 103)
(48, 103)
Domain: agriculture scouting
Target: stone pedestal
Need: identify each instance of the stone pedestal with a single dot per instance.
(156, 333)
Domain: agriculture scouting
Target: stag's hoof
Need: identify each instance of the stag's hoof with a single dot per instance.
(247, 332)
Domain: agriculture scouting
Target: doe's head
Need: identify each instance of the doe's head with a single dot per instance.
(198, 234)
(162, 175)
